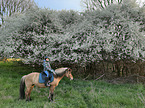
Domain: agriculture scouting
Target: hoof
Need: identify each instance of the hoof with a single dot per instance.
(28, 100)
(50, 100)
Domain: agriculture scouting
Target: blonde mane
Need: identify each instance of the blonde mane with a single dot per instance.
(61, 71)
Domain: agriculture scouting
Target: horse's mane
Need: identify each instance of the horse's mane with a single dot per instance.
(61, 71)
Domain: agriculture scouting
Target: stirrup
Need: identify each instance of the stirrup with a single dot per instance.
(47, 85)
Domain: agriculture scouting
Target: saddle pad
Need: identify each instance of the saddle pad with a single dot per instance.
(42, 78)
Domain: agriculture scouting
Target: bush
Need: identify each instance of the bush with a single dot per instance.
(111, 34)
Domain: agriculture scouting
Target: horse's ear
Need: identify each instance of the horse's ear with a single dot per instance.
(69, 69)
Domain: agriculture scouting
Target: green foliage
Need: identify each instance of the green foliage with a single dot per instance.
(76, 93)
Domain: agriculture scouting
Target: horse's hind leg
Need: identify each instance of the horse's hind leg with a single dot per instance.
(28, 91)
(27, 94)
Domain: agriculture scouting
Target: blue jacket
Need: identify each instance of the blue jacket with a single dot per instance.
(46, 66)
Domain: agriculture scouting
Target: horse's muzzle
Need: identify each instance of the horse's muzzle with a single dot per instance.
(71, 79)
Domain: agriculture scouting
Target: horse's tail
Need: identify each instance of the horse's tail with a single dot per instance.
(22, 88)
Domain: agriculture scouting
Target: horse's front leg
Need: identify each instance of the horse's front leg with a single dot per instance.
(51, 92)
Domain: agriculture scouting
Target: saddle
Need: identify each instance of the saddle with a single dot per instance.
(42, 76)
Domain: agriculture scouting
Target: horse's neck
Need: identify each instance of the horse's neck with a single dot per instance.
(59, 78)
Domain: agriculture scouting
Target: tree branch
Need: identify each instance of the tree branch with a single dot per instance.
(100, 76)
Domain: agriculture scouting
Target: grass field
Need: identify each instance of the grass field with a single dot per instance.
(68, 94)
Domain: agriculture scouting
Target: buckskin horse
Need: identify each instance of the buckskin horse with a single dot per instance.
(32, 80)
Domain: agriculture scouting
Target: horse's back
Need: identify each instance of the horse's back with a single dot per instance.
(32, 77)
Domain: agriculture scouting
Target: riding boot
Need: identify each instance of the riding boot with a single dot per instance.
(46, 81)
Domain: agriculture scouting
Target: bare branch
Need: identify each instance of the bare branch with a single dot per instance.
(100, 76)
(99, 4)
(8, 7)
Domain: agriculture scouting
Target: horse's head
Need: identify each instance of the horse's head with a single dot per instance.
(68, 74)
(64, 72)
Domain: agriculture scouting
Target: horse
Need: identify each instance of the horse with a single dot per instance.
(32, 79)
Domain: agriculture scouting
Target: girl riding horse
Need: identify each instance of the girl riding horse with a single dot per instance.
(32, 80)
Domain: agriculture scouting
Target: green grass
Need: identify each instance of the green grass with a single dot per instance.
(68, 94)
